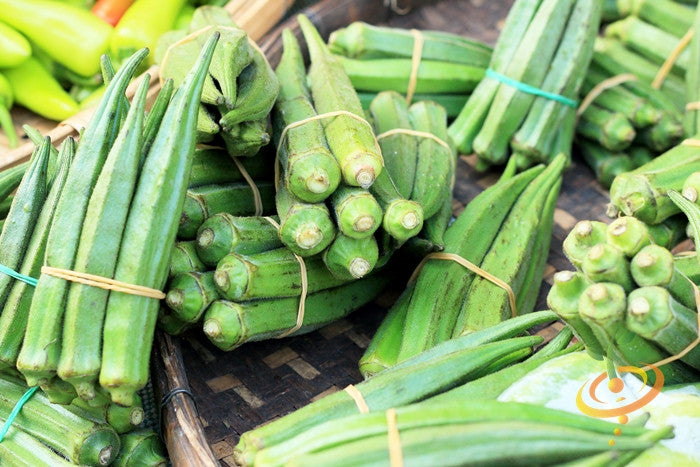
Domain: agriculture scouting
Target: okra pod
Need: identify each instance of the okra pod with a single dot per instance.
(655, 315)
(605, 164)
(357, 213)
(148, 237)
(654, 265)
(563, 299)
(19, 449)
(452, 103)
(691, 211)
(306, 229)
(170, 324)
(10, 178)
(435, 227)
(352, 142)
(311, 173)
(350, 258)
(611, 130)
(5, 206)
(691, 187)
(184, 259)
(662, 135)
(141, 447)
(582, 238)
(640, 155)
(246, 138)
(38, 359)
(234, 198)
(692, 79)
(155, 115)
(365, 41)
(212, 166)
(270, 274)
(189, 294)
(223, 233)
(607, 263)
(229, 324)
(670, 16)
(629, 234)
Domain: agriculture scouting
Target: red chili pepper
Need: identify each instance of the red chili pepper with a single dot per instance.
(111, 11)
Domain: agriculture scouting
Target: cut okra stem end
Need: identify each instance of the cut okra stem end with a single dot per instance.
(175, 298)
(206, 238)
(410, 220)
(308, 237)
(564, 276)
(365, 177)
(106, 455)
(318, 182)
(363, 224)
(612, 211)
(136, 416)
(639, 306)
(690, 193)
(583, 229)
(597, 293)
(597, 252)
(645, 260)
(212, 328)
(619, 228)
(359, 267)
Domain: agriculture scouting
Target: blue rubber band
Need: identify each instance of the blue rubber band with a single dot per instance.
(12, 273)
(530, 89)
(18, 406)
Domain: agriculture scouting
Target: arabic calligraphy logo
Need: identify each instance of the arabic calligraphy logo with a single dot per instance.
(600, 409)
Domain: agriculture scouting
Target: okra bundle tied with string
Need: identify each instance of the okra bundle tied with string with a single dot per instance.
(239, 90)
(527, 100)
(628, 300)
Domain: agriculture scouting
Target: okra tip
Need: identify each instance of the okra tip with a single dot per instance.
(690, 193)
(206, 237)
(318, 182)
(308, 236)
(359, 267)
(175, 299)
(639, 307)
(363, 223)
(365, 176)
(212, 328)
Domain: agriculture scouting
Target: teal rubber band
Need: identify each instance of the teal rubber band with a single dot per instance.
(12, 273)
(18, 406)
(520, 86)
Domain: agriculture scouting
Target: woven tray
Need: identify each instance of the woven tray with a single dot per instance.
(237, 391)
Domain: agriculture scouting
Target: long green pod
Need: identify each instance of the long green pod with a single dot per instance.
(121, 419)
(510, 106)
(5, 206)
(37, 138)
(237, 199)
(189, 294)
(350, 258)
(97, 252)
(612, 130)
(10, 179)
(270, 274)
(397, 386)
(565, 78)
(311, 173)
(366, 41)
(351, 141)
(582, 238)
(224, 233)
(155, 115)
(691, 187)
(24, 212)
(357, 213)
(389, 111)
(246, 138)
(229, 324)
(603, 306)
(629, 234)
(487, 304)
(256, 94)
(563, 299)
(148, 235)
(470, 120)
(38, 359)
(640, 155)
(435, 227)
(384, 347)
(13, 319)
(442, 285)
(673, 17)
(605, 164)
(436, 162)
(422, 415)
(143, 448)
(654, 265)
(19, 449)
(81, 440)
(607, 263)
(692, 79)
(170, 324)
(214, 166)
(691, 211)
(662, 135)
(184, 258)
(393, 74)
(306, 229)
(655, 315)
(452, 103)
(403, 218)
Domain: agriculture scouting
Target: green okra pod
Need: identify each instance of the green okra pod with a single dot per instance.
(306, 229)
(357, 213)
(605, 164)
(607, 263)
(664, 134)
(189, 294)
(671, 16)
(640, 155)
(224, 233)
(582, 238)
(184, 258)
(237, 199)
(246, 138)
(270, 274)
(351, 141)
(691, 187)
(629, 234)
(10, 179)
(350, 258)
(214, 166)
(171, 324)
(435, 227)
(155, 115)
(611, 130)
(654, 265)
(20, 449)
(656, 316)
(5, 206)
(142, 447)
(310, 172)
(230, 324)
(452, 103)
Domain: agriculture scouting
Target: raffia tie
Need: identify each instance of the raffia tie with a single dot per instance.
(304, 289)
(601, 87)
(473, 268)
(102, 282)
(323, 116)
(257, 199)
(358, 398)
(691, 142)
(415, 63)
(668, 64)
(393, 439)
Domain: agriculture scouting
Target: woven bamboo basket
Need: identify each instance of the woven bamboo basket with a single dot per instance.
(209, 397)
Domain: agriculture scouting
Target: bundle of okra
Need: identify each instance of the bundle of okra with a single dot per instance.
(446, 394)
(544, 49)
(84, 217)
(74, 432)
(340, 206)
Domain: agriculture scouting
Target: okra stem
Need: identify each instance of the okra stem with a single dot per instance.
(582, 238)
(607, 263)
(654, 265)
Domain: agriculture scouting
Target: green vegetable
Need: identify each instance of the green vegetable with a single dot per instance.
(452, 103)
(143, 448)
(5, 206)
(306, 229)
(184, 258)
(246, 138)
(155, 115)
(692, 79)
(350, 140)
(215, 167)
(435, 227)
(605, 164)
(350, 258)
(223, 233)
(121, 419)
(654, 265)
(23, 450)
(10, 178)
(171, 324)
(357, 213)
(14, 46)
(311, 173)
(670, 16)
(148, 235)
(582, 238)
(190, 293)
(611, 130)
(629, 234)
(6, 101)
(607, 263)
(664, 134)
(69, 35)
(229, 324)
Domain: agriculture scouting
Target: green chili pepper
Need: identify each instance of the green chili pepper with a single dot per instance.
(35, 88)
(141, 26)
(70, 35)
(15, 48)
(5, 118)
